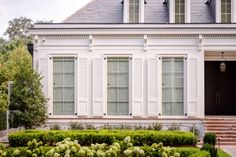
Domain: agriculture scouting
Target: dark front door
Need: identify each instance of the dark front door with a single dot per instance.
(220, 88)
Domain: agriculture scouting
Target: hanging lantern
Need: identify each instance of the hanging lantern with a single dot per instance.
(222, 64)
(222, 67)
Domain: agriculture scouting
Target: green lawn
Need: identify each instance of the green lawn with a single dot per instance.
(222, 153)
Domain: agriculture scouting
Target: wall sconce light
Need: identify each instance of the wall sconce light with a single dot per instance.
(223, 64)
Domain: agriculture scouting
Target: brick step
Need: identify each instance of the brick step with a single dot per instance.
(220, 129)
(219, 132)
(226, 136)
(227, 139)
(220, 122)
(228, 143)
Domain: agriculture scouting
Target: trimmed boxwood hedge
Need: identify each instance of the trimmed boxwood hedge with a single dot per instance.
(86, 137)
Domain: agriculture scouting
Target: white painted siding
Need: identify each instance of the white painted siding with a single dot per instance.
(145, 67)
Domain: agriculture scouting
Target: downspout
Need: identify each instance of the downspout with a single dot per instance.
(30, 47)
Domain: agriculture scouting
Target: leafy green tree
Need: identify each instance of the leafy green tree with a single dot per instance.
(28, 104)
(27, 100)
(3, 44)
(10, 63)
(18, 28)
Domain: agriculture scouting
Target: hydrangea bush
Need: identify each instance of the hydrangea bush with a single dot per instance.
(69, 148)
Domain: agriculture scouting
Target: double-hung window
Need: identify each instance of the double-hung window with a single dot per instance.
(63, 85)
(173, 86)
(179, 11)
(118, 86)
(133, 11)
(225, 11)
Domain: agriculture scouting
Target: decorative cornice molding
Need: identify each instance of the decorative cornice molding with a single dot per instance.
(63, 36)
(172, 36)
(219, 36)
(120, 36)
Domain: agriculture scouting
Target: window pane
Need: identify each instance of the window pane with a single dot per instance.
(68, 108)
(58, 94)
(134, 11)
(112, 109)
(57, 108)
(68, 94)
(179, 11)
(172, 86)
(63, 86)
(118, 86)
(225, 11)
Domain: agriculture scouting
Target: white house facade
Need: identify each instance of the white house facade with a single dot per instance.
(140, 60)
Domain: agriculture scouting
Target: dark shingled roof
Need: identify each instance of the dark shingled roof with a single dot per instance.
(111, 11)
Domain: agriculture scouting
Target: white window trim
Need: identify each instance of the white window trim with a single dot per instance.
(187, 11)
(126, 11)
(218, 11)
(130, 86)
(160, 56)
(50, 85)
(233, 11)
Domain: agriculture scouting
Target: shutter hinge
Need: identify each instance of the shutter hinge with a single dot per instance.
(76, 58)
(130, 58)
(104, 114)
(186, 114)
(105, 58)
(185, 58)
(159, 58)
(50, 58)
(76, 114)
(159, 114)
(50, 114)
(130, 114)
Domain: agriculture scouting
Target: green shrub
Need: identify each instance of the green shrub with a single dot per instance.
(69, 148)
(210, 138)
(194, 130)
(76, 126)
(86, 137)
(201, 154)
(187, 151)
(155, 126)
(54, 127)
(3, 125)
(174, 127)
(211, 149)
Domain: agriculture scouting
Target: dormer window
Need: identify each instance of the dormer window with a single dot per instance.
(226, 11)
(133, 11)
(179, 11)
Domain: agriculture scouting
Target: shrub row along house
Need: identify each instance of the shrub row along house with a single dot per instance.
(139, 61)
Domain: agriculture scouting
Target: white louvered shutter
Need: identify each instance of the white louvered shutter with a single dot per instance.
(43, 70)
(137, 87)
(98, 84)
(192, 86)
(82, 106)
(152, 87)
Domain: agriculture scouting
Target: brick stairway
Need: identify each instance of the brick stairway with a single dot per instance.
(224, 127)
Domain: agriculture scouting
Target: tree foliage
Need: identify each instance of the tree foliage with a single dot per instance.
(28, 104)
(27, 100)
(18, 28)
